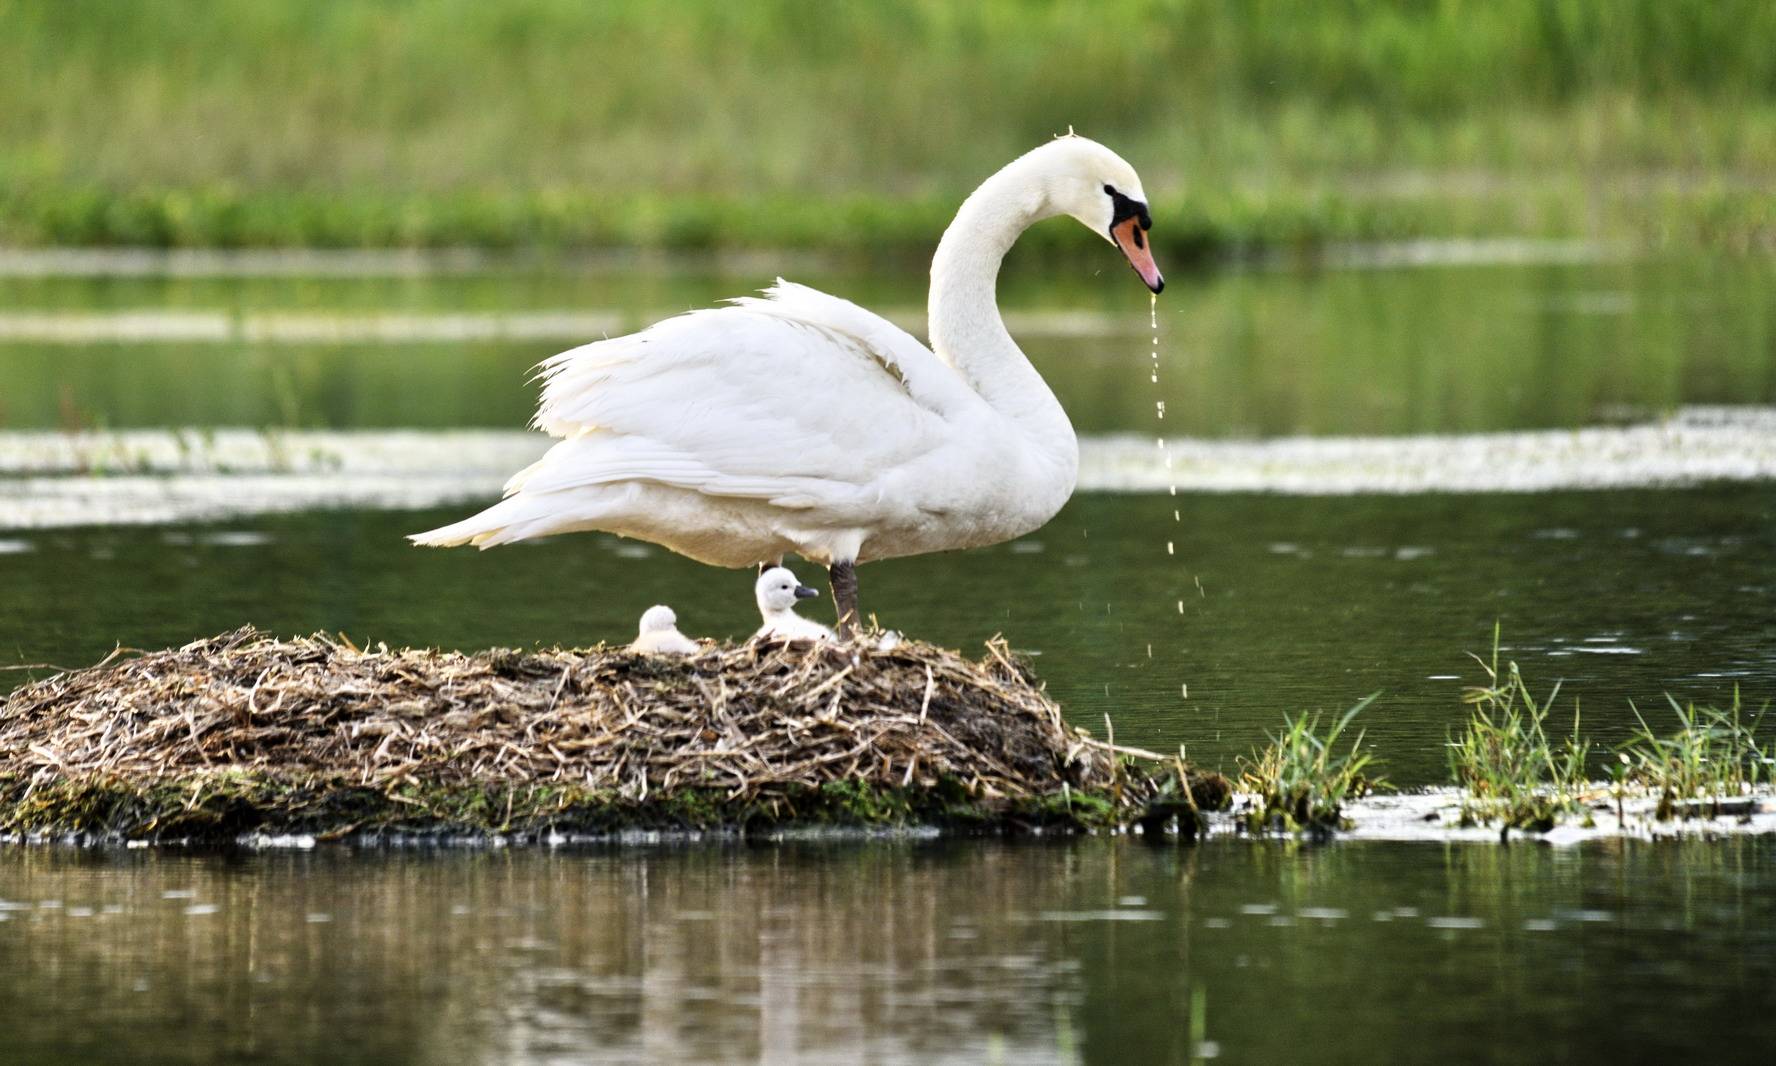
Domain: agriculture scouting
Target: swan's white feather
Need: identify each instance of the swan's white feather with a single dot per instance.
(702, 431)
(671, 642)
(800, 422)
(793, 627)
(658, 634)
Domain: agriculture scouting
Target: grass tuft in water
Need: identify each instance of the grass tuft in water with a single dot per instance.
(1514, 773)
(1713, 757)
(1301, 779)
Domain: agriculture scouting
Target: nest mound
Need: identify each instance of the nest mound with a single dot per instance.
(247, 733)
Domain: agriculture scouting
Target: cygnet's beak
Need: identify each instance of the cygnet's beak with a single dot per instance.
(1132, 239)
(803, 592)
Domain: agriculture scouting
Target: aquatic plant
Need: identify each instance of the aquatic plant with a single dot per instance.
(1301, 780)
(1514, 774)
(1713, 757)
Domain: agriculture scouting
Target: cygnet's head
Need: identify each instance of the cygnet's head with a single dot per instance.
(658, 619)
(778, 590)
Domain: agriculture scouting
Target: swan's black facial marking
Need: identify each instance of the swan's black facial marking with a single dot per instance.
(1122, 208)
(1128, 231)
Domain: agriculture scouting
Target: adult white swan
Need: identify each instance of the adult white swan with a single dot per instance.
(802, 423)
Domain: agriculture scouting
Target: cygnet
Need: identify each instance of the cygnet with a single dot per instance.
(660, 636)
(777, 591)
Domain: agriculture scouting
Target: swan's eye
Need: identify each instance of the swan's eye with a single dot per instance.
(1123, 208)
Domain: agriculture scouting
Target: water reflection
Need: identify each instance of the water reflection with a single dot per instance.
(965, 952)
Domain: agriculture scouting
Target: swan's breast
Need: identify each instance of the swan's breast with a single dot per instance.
(983, 492)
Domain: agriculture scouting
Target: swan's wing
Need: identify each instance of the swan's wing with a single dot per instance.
(800, 398)
(930, 380)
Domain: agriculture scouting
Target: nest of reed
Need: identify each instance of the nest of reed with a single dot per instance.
(245, 733)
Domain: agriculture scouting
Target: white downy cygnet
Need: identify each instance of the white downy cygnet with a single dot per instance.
(660, 636)
(777, 591)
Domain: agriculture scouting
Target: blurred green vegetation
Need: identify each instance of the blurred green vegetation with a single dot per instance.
(857, 126)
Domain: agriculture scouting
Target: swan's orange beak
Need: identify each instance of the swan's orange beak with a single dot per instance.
(1132, 239)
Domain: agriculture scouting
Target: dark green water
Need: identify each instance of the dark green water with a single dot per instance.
(1092, 951)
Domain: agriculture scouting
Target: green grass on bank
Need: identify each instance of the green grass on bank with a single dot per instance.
(849, 125)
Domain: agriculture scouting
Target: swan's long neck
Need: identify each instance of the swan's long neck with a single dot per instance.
(966, 330)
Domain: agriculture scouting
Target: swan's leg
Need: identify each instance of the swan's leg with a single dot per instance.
(768, 565)
(844, 591)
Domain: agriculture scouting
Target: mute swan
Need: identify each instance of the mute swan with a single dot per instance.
(799, 422)
(777, 591)
(659, 634)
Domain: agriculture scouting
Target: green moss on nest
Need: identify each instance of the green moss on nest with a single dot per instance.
(225, 808)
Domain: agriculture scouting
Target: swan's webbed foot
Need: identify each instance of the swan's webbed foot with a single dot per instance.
(844, 592)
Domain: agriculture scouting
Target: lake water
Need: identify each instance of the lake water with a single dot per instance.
(898, 953)
(968, 951)
(1455, 349)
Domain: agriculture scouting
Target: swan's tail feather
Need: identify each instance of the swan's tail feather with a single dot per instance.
(470, 530)
(512, 519)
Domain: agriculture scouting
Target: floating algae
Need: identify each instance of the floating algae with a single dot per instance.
(246, 734)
